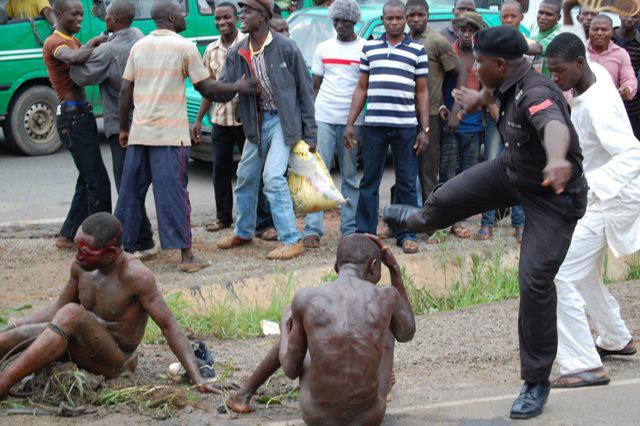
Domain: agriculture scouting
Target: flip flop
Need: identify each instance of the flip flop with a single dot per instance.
(460, 232)
(194, 266)
(311, 241)
(585, 378)
(628, 350)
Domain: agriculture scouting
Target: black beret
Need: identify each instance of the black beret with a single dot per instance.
(502, 42)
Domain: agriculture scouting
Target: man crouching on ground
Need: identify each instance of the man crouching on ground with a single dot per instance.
(99, 319)
(339, 338)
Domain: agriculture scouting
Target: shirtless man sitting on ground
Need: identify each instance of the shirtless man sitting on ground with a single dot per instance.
(339, 339)
(99, 319)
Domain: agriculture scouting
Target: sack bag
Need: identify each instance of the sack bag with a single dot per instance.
(310, 183)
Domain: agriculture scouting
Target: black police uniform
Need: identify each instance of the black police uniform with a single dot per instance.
(528, 101)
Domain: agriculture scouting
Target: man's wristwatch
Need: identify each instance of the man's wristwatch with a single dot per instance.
(425, 130)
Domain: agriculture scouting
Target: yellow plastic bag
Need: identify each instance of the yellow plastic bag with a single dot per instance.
(310, 183)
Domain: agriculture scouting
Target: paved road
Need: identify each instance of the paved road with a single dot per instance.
(40, 188)
(615, 404)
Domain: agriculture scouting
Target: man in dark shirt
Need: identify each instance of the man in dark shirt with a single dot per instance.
(627, 36)
(105, 67)
(542, 170)
(75, 121)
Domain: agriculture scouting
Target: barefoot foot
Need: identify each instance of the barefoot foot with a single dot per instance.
(239, 403)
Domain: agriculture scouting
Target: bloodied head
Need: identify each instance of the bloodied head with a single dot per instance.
(99, 241)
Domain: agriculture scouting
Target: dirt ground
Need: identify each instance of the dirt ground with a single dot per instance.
(466, 352)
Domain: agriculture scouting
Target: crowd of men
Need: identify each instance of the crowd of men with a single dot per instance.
(552, 119)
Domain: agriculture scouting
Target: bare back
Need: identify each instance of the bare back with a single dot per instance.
(347, 325)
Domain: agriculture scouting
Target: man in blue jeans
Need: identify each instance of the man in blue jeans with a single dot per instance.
(335, 75)
(460, 148)
(275, 120)
(393, 79)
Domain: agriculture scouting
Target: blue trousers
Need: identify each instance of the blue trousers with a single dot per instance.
(458, 152)
(375, 144)
(166, 167)
(493, 148)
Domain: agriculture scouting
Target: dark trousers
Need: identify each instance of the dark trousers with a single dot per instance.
(79, 134)
(429, 164)
(635, 124)
(550, 222)
(375, 144)
(224, 139)
(165, 167)
(458, 152)
(145, 237)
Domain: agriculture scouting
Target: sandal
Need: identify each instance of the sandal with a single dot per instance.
(311, 241)
(194, 265)
(485, 233)
(518, 232)
(460, 231)
(410, 247)
(269, 234)
(216, 226)
(628, 350)
(581, 379)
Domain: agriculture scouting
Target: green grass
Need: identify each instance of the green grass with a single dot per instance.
(225, 319)
(490, 280)
(633, 267)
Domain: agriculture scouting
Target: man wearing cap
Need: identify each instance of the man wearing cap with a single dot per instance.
(461, 145)
(335, 75)
(541, 169)
(280, 116)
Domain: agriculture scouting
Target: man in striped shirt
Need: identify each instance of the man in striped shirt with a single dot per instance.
(393, 79)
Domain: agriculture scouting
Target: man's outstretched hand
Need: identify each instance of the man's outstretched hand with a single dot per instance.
(557, 174)
(247, 86)
(469, 99)
(388, 259)
(217, 388)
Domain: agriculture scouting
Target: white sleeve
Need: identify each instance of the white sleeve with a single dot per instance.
(613, 130)
(317, 66)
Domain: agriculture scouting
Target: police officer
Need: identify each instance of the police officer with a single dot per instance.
(541, 169)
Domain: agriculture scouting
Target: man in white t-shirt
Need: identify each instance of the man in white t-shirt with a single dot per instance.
(335, 73)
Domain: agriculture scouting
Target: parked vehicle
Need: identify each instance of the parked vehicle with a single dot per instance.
(310, 27)
(27, 101)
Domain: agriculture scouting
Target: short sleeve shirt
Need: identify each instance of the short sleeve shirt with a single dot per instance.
(544, 38)
(57, 70)
(159, 65)
(337, 63)
(528, 101)
(20, 9)
(442, 59)
(393, 71)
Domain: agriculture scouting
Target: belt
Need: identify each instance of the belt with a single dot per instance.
(75, 106)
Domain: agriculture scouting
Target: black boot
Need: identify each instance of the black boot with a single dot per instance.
(531, 400)
(397, 215)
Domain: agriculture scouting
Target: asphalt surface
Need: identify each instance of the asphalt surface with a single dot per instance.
(39, 189)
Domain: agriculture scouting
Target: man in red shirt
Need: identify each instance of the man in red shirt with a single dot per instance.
(75, 121)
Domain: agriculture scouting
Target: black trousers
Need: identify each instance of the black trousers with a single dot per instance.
(550, 222)
(145, 238)
(224, 139)
(79, 134)
(429, 162)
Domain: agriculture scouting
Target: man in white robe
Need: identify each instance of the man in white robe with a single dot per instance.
(612, 220)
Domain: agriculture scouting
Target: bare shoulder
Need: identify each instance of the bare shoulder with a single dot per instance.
(388, 294)
(303, 297)
(135, 275)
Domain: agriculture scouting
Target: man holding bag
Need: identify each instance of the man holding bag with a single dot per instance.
(335, 75)
(275, 120)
